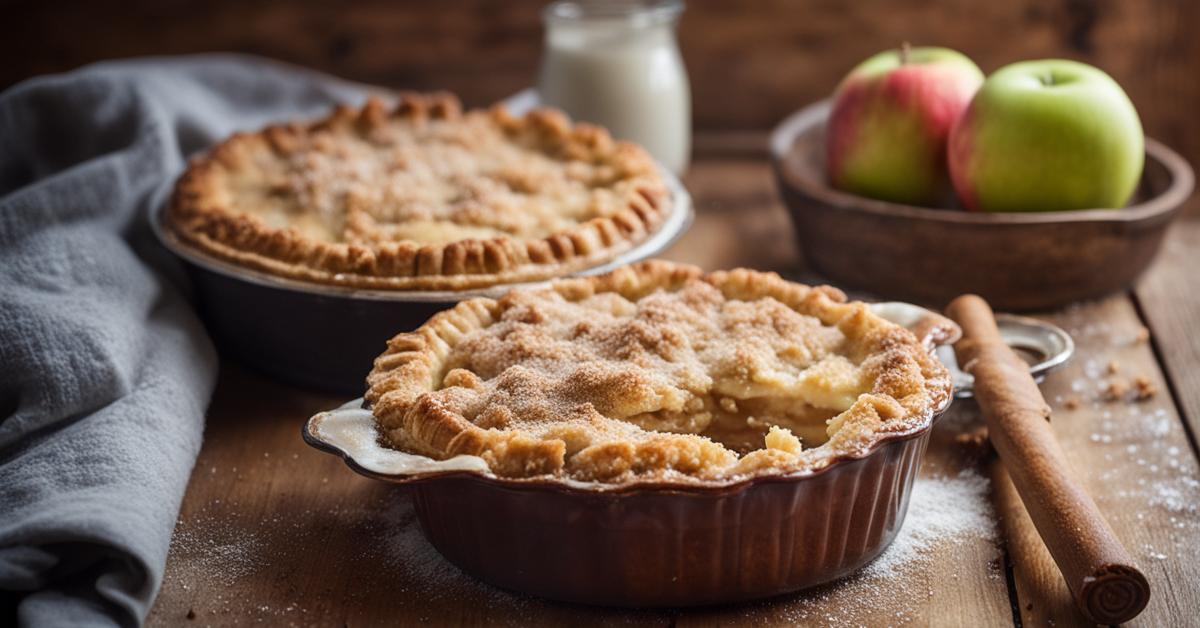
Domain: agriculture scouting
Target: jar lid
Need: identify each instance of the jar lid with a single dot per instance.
(637, 13)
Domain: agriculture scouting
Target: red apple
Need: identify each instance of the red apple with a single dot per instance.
(890, 121)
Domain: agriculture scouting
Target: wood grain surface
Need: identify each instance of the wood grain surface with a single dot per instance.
(1132, 456)
(751, 63)
(1168, 297)
(272, 531)
(956, 583)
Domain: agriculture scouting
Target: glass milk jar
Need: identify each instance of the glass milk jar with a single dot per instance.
(616, 63)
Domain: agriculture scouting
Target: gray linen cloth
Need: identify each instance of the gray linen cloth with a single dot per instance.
(104, 370)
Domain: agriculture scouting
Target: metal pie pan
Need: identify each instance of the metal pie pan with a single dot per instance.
(656, 544)
(326, 337)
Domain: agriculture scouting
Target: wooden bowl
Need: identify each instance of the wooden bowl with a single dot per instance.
(1017, 261)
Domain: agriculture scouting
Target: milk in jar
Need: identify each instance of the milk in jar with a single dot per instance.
(616, 63)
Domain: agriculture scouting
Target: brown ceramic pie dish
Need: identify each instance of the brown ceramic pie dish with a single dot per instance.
(1017, 261)
(654, 543)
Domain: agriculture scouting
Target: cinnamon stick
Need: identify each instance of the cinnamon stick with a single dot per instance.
(1106, 585)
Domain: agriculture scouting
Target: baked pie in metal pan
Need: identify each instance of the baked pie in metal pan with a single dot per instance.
(420, 196)
(370, 221)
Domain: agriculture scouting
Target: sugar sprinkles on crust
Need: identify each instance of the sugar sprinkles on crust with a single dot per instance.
(655, 371)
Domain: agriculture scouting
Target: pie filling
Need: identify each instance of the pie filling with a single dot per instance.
(687, 381)
(742, 425)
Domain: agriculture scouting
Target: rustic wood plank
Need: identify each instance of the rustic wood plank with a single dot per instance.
(1169, 300)
(740, 220)
(277, 533)
(1134, 459)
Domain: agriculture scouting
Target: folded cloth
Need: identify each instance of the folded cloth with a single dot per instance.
(104, 370)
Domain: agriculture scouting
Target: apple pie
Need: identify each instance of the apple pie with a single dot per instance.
(420, 196)
(655, 371)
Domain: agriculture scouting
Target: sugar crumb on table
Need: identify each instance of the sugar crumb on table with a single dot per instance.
(1143, 388)
(1115, 390)
(944, 511)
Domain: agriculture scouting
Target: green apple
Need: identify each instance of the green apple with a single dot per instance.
(1047, 135)
(890, 120)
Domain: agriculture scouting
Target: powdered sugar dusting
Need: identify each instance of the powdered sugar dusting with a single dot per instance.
(405, 549)
(212, 558)
(1144, 477)
(431, 179)
(217, 553)
(212, 551)
(944, 512)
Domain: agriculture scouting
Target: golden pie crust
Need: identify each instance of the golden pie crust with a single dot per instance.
(420, 196)
(655, 371)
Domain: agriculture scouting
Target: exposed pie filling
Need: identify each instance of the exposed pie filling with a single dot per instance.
(655, 371)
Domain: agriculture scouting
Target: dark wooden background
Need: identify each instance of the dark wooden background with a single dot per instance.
(750, 62)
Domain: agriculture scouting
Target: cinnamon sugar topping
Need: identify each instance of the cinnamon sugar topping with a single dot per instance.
(421, 196)
(655, 371)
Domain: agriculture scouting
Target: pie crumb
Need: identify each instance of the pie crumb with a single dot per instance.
(1115, 390)
(1143, 388)
(1142, 336)
(974, 438)
(782, 439)
(1071, 403)
(1113, 367)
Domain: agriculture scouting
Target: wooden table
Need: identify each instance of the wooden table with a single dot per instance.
(272, 531)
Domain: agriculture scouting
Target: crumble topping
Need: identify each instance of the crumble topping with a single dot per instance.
(429, 181)
(420, 196)
(672, 361)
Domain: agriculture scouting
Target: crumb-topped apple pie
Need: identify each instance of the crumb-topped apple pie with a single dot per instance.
(655, 371)
(420, 196)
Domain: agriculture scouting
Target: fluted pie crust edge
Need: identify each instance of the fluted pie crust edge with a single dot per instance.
(909, 387)
(197, 217)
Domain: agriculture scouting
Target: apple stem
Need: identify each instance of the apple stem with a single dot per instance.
(905, 48)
